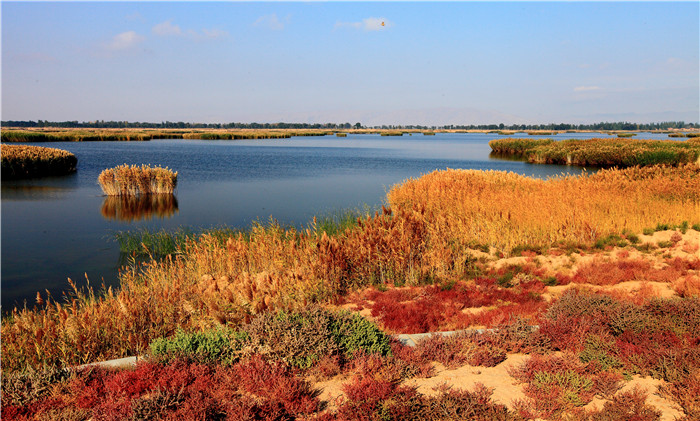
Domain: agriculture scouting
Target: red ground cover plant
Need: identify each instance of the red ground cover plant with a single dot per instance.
(447, 307)
(555, 384)
(254, 389)
(630, 405)
(601, 272)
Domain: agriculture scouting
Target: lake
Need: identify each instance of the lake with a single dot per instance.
(61, 227)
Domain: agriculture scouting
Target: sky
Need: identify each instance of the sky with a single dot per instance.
(375, 63)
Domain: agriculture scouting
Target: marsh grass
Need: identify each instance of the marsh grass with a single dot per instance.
(601, 152)
(392, 133)
(341, 135)
(35, 161)
(137, 180)
(626, 134)
(165, 242)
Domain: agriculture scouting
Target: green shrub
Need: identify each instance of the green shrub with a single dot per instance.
(596, 349)
(304, 337)
(217, 346)
(354, 333)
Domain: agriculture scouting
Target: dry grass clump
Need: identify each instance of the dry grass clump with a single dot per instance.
(35, 161)
(136, 180)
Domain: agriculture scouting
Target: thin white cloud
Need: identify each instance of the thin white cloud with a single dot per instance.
(214, 33)
(270, 22)
(166, 28)
(586, 88)
(367, 24)
(124, 41)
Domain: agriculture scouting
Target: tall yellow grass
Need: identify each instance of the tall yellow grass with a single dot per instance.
(19, 161)
(505, 210)
(428, 234)
(136, 180)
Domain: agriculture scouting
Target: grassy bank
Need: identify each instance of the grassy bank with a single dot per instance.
(429, 235)
(35, 161)
(135, 180)
(601, 152)
(97, 135)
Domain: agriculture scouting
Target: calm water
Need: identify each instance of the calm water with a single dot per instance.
(55, 228)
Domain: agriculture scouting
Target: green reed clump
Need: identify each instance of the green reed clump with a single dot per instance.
(34, 161)
(626, 134)
(514, 146)
(428, 133)
(162, 243)
(602, 152)
(333, 223)
(136, 180)
(341, 135)
(392, 133)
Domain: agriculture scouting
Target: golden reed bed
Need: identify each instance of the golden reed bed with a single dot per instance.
(137, 180)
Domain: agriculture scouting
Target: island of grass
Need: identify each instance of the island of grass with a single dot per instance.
(600, 152)
(20, 161)
(135, 180)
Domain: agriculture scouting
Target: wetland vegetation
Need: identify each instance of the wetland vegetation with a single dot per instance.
(600, 152)
(257, 313)
(35, 161)
(134, 180)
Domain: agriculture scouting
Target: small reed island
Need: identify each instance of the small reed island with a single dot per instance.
(19, 161)
(135, 180)
(600, 152)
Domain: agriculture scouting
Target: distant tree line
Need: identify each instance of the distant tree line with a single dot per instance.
(101, 124)
(620, 125)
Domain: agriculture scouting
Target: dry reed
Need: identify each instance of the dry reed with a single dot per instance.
(136, 180)
(35, 161)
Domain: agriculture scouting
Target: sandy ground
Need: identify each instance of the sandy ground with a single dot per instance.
(667, 244)
(506, 390)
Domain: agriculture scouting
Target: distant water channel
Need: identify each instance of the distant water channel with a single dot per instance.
(56, 228)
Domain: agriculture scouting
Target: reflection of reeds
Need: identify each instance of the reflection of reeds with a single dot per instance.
(35, 161)
(135, 208)
(135, 180)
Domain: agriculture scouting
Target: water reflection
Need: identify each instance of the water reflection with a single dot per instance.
(136, 208)
(12, 191)
(507, 157)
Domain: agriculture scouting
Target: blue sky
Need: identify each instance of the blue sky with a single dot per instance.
(429, 63)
